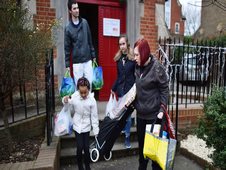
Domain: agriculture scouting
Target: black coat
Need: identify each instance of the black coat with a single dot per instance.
(125, 76)
(152, 85)
(78, 40)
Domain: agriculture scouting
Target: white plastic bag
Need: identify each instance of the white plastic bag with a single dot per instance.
(126, 100)
(63, 122)
(112, 102)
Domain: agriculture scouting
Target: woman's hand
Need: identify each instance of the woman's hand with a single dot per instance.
(160, 115)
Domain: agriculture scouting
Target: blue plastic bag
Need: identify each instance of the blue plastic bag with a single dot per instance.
(98, 81)
(67, 85)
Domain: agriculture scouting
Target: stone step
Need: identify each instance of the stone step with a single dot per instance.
(69, 141)
(68, 155)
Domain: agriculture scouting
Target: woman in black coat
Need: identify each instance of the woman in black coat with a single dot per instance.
(152, 92)
(125, 77)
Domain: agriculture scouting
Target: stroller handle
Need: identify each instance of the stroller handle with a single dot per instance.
(123, 112)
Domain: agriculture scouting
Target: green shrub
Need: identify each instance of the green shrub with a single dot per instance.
(212, 127)
(23, 46)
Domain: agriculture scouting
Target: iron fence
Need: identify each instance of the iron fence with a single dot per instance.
(50, 95)
(28, 99)
(194, 68)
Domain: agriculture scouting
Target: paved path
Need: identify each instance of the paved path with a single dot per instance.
(131, 163)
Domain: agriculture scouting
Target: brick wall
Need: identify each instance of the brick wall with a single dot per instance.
(45, 14)
(148, 28)
(188, 118)
(28, 128)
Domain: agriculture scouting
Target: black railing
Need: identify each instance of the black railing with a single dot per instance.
(50, 95)
(193, 69)
(26, 100)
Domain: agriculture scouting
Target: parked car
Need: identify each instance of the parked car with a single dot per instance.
(193, 69)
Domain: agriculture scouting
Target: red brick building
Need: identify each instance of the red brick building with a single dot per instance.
(175, 20)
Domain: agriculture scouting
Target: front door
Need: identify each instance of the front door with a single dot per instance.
(108, 45)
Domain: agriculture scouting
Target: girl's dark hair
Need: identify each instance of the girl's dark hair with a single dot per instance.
(144, 50)
(70, 3)
(83, 82)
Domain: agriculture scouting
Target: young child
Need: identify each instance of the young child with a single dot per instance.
(84, 108)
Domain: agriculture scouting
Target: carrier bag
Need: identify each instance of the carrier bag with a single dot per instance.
(63, 122)
(98, 80)
(67, 85)
(159, 149)
(112, 103)
(125, 101)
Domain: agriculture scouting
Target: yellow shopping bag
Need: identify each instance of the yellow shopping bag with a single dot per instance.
(160, 150)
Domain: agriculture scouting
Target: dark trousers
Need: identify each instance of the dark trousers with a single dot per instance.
(82, 141)
(141, 125)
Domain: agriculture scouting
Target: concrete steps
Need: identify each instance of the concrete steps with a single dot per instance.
(68, 155)
(68, 147)
(68, 143)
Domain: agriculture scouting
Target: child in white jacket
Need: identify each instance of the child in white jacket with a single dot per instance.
(84, 107)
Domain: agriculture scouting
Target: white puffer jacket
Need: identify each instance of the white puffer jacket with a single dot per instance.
(84, 113)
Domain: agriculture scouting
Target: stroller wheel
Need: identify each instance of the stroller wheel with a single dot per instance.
(108, 156)
(94, 155)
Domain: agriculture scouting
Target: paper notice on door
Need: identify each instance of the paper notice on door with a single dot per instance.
(111, 27)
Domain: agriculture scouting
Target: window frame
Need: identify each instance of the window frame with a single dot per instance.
(177, 28)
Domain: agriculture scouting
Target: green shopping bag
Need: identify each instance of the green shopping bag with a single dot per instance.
(98, 81)
(67, 85)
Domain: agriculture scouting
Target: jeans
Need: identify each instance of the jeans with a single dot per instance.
(141, 125)
(128, 126)
(128, 122)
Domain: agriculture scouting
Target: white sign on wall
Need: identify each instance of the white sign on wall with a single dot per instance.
(111, 27)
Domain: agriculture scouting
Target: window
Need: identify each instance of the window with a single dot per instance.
(177, 28)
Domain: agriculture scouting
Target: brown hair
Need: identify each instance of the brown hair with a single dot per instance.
(144, 50)
(83, 82)
(70, 3)
(130, 50)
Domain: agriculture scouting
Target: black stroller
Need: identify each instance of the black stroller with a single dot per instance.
(110, 129)
(109, 132)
